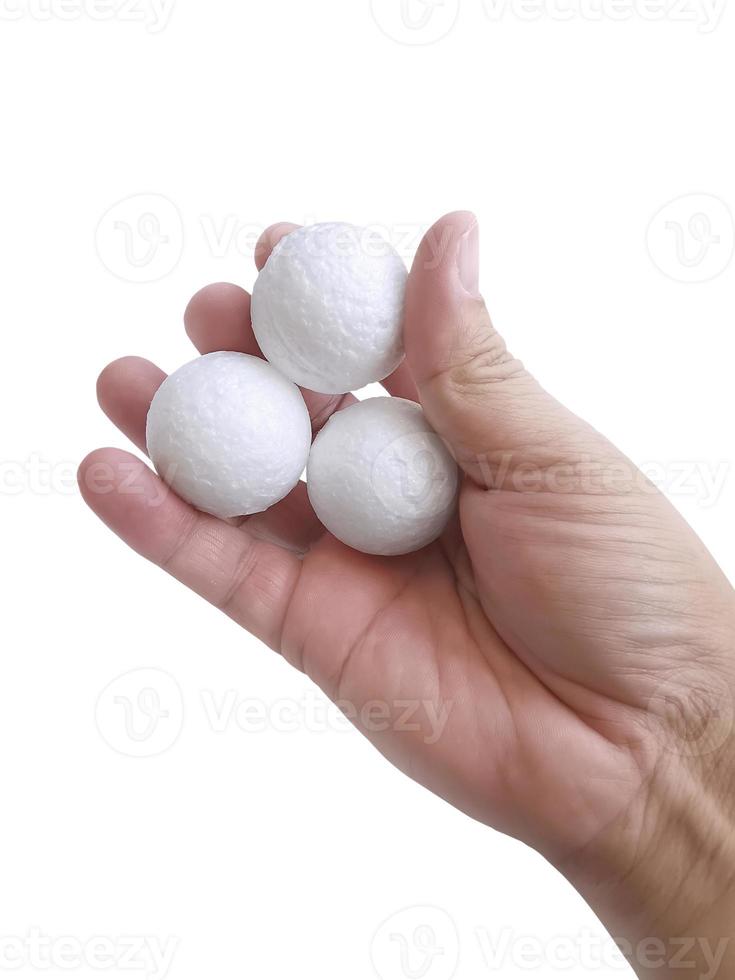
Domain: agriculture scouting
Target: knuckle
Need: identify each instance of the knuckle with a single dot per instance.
(480, 361)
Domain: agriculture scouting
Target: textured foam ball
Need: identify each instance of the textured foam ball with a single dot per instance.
(380, 479)
(229, 434)
(327, 307)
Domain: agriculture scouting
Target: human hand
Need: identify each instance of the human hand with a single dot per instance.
(560, 665)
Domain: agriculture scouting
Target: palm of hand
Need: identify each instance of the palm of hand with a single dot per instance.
(441, 660)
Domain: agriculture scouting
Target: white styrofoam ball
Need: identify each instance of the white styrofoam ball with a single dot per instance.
(327, 307)
(229, 434)
(380, 479)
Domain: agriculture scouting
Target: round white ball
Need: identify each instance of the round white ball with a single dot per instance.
(229, 434)
(380, 479)
(327, 308)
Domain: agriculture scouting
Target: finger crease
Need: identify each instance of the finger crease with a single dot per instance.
(245, 567)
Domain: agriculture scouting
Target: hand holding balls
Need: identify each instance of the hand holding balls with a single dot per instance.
(231, 434)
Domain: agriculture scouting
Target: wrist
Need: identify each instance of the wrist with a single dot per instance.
(662, 878)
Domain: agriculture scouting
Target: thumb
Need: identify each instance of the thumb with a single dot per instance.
(477, 396)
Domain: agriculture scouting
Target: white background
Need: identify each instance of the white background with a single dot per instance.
(279, 852)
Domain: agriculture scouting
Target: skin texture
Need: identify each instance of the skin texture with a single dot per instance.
(570, 630)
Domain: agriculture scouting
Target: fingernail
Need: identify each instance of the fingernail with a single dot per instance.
(468, 260)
